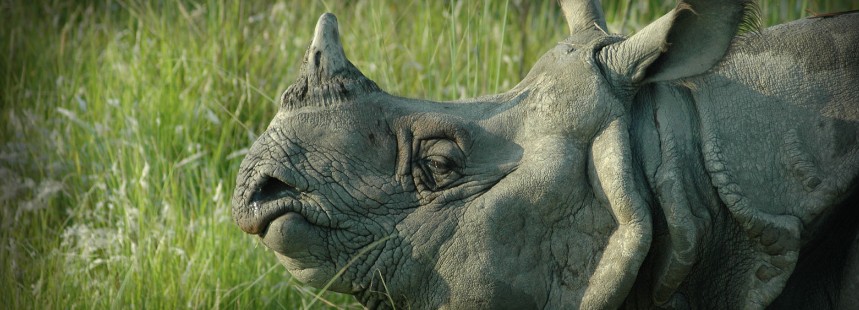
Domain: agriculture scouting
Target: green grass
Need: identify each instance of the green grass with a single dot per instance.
(123, 124)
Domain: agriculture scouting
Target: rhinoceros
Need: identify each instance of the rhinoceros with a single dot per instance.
(685, 166)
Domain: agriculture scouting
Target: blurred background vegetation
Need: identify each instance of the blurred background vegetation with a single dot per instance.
(123, 123)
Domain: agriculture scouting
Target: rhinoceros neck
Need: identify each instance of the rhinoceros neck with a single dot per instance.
(781, 123)
(666, 131)
(780, 126)
(761, 150)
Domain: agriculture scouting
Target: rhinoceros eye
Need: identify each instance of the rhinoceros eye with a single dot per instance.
(440, 163)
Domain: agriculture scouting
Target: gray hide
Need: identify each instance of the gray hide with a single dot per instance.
(682, 167)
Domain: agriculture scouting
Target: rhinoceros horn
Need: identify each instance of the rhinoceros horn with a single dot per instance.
(326, 77)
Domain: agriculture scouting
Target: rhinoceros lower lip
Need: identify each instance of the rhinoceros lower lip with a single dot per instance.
(289, 234)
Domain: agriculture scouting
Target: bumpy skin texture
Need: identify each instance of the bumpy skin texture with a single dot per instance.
(679, 168)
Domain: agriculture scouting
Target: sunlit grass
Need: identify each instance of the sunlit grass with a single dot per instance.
(123, 123)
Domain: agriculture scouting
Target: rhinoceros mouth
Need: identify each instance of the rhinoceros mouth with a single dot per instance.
(285, 222)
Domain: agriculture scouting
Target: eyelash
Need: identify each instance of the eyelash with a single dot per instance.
(438, 164)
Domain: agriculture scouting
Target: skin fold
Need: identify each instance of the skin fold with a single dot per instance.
(682, 167)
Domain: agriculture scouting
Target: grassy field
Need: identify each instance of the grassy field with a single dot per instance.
(123, 123)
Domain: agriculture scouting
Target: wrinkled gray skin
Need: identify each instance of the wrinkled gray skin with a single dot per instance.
(680, 167)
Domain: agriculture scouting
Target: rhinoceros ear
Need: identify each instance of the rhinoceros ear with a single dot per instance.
(326, 77)
(583, 15)
(687, 41)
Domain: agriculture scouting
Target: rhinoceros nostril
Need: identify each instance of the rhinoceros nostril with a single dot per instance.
(272, 189)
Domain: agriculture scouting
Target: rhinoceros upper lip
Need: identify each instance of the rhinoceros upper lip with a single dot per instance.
(271, 198)
(271, 188)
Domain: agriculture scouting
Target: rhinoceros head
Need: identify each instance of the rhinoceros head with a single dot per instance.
(523, 199)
